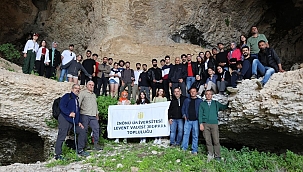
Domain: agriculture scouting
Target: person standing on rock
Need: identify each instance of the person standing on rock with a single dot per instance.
(66, 56)
(155, 77)
(222, 57)
(70, 116)
(190, 113)
(144, 84)
(267, 64)
(103, 77)
(89, 112)
(135, 89)
(42, 58)
(177, 76)
(165, 73)
(191, 68)
(30, 50)
(89, 65)
(127, 79)
(208, 120)
(252, 42)
(55, 60)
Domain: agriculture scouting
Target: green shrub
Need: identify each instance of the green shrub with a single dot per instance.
(103, 104)
(52, 122)
(9, 51)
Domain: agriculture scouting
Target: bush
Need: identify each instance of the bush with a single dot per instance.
(103, 104)
(9, 51)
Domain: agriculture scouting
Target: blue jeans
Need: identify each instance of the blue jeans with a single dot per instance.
(254, 56)
(189, 82)
(264, 70)
(177, 124)
(188, 127)
(62, 74)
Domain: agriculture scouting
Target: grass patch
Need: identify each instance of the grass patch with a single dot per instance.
(156, 158)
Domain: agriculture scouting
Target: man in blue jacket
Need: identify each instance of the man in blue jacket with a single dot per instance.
(190, 112)
(70, 114)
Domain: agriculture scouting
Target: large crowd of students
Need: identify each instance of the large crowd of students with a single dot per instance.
(183, 83)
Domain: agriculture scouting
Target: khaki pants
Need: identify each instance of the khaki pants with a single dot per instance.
(135, 91)
(211, 136)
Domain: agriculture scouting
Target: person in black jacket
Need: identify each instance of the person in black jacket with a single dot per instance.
(192, 70)
(267, 63)
(55, 61)
(199, 85)
(144, 84)
(209, 62)
(177, 76)
(155, 77)
(223, 79)
(175, 117)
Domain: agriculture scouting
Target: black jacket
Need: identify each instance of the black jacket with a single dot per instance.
(154, 73)
(57, 58)
(211, 63)
(194, 67)
(269, 58)
(221, 57)
(144, 80)
(226, 75)
(175, 109)
(177, 72)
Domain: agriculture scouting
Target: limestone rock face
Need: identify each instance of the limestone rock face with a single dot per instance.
(269, 119)
(26, 101)
(139, 30)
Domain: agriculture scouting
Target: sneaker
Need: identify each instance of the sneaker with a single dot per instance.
(83, 153)
(253, 77)
(97, 147)
(260, 84)
(58, 157)
(159, 142)
(209, 157)
(125, 141)
(218, 159)
(156, 141)
(194, 153)
(143, 140)
(239, 81)
(116, 141)
(232, 90)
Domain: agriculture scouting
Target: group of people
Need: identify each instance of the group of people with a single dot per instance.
(218, 70)
(183, 83)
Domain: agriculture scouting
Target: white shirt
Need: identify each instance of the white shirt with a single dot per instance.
(206, 64)
(39, 54)
(137, 74)
(114, 78)
(31, 45)
(68, 56)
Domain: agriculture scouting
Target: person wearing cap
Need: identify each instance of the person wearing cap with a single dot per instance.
(55, 61)
(66, 56)
(30, 50)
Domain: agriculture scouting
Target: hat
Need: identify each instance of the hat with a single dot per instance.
(36, 34)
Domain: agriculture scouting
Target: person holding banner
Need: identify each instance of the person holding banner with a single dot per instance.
(141, 101)
(160, 97)
(123, 101)
(190, 111)
(175, 117)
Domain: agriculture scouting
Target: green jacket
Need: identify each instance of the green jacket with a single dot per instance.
(209, 114)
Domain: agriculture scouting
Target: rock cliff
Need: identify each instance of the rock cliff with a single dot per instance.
(138, 30)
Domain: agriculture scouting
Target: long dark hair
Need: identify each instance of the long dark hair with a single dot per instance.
(139, 100)
(242, 42)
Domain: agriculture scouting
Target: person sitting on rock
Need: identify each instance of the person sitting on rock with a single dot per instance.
(211, 81)
(267, 64)
(69, 118)
(233, 56)
(223, 80)
(73, 67)
(199, 85)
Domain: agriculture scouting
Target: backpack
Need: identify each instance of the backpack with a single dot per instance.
(56, 106)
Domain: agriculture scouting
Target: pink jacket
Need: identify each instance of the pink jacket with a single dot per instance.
(236, 54)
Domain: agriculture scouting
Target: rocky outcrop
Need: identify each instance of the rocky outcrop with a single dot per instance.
(26, 101)
(139, 30)
(268, 119)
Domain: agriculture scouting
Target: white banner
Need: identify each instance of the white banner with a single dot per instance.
(130, 121)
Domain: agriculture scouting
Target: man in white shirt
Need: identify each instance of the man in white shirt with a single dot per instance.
(135, 89)
(30, 50)
(66, 56)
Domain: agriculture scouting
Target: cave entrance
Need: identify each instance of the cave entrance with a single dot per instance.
(20, 146)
